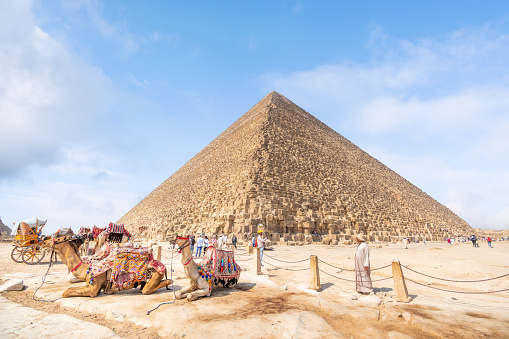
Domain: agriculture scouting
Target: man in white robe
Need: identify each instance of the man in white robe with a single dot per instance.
(362, 267)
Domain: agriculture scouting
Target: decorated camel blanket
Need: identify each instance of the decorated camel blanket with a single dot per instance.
(128, 264)
(219, 264)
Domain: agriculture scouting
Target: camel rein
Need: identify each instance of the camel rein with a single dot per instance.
(47, 271)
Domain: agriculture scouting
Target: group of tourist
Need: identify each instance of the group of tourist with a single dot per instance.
(202, 242)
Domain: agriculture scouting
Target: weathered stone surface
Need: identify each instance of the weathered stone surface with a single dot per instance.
(280, 169)
(12, 285)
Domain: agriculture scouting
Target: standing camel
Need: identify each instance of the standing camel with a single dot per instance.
(202, 281)
(68, 253)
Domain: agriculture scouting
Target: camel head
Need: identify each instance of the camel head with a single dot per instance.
(58, 243)
(181, 242)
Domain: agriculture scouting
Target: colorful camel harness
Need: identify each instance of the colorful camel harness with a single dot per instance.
(128, 264)
(217, 266)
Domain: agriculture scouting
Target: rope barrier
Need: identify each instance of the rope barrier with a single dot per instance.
(346, 269)
(288, 262)
(286, 269)
(387, 278)
(463, 292)
(464, 281)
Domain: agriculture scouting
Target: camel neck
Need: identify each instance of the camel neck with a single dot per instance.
(187, 256)
(71, 259)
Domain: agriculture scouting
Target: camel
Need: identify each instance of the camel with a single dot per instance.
(68, 249)
(202, 283)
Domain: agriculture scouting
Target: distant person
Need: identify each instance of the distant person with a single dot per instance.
(254, 241)
(199, 246)
(473, 239)
(362, 267)
(234, 241)
(205, 244)
(489, 242)
(224, 239)
(214, 241)
(260, 242)
(405, 242)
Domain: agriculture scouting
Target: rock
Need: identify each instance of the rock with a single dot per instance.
(335, 242)
(354, 297)
(347, 242)
(326, 241)
(285, 288)
(12, 285)
(407, 316)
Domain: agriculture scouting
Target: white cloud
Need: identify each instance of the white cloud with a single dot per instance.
(48, 96)
(436, 109)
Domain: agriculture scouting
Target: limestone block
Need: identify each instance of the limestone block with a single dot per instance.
(12, 285)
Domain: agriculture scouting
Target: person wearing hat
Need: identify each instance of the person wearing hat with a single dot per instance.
(362, 268)
(260, 242)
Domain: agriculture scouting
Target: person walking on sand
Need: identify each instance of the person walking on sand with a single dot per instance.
(234, 241)
(260, 242)
(489, 242)
(405, 242)
(362, 268)
(205, 244)
(199, 246)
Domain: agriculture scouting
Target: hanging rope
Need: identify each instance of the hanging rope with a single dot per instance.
(44, 279)
(463, 292)
(286, 269)
(288, 262)
(376, 280)
(463, 281)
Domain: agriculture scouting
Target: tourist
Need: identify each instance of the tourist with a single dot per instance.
(224, 240)
(254, 241)
(234, 241)
(205, 244)
(489, 242)
(199, 246)
(214, 241)
(260, 242)
(362, 267)
(473, 239)
(405, 242)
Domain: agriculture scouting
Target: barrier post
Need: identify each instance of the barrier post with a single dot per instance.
(158, 253)
(399, 283)
(257, 261)
(315, 274)
(249, 249)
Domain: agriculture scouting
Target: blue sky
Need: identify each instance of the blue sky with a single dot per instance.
(100, 102)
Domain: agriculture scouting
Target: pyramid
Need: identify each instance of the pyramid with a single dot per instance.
(280, 169)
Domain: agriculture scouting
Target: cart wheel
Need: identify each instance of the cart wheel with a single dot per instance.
(17, 251)
(33, 254)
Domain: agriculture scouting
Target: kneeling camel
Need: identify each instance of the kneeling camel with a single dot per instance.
(67, 249)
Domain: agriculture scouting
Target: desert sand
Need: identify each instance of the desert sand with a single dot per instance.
(278, 303)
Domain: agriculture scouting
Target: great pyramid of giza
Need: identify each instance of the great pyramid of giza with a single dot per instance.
(280, 169)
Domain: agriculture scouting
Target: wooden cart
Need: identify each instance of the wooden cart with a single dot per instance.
(27, 242)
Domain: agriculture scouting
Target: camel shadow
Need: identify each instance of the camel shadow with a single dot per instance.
(224, 291)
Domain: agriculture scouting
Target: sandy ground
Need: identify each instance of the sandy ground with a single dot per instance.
(278, 303)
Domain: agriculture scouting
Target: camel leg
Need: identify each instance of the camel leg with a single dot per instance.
(155, 283)
(183, 292)
(204, 292)
(91, 290)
